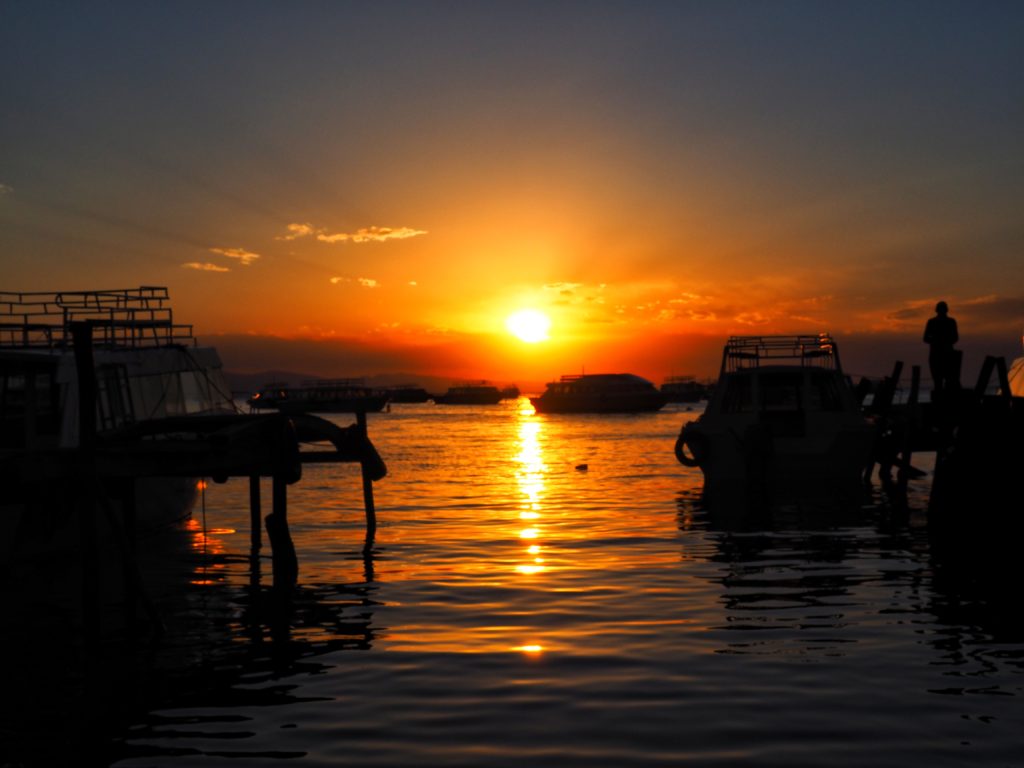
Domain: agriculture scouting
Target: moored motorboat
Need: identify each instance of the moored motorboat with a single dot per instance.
(145, 369)
(599, 393)
(320, 396)
(782, 414)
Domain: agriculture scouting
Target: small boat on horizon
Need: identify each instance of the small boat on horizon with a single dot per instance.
(782, 414)
(407, 393)
(320, 396)
(470, 394)
(599, 393)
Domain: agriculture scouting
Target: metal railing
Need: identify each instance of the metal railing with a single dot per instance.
(817, 350)
(127, 317)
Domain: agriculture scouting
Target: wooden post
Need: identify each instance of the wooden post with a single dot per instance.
(984, 375)
(371, 510)
(255, 515)
(908, 430)
(286, 564)
(1004, 378)
(81, 336)
(882, 407)
(129, 571)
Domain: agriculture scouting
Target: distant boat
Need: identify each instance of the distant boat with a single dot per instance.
(782, 412)
(470, 394)
(319, 396)
(684, 389)
(599, 393)
(407, 393)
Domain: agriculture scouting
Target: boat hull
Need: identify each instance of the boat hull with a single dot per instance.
(754, 457)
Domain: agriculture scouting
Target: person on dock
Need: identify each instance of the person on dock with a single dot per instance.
(940, 334)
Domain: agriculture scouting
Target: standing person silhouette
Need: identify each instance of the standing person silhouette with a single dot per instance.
(940, 334)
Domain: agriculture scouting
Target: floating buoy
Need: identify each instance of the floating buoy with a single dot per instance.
(582, 467)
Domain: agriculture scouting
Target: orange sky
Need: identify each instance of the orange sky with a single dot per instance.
(652, 180)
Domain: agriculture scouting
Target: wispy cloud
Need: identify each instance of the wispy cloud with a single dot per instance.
(364, 235)
(205, 266)
(244, 256)
(295, 231)
(366, 282)
(5, 190)
(370, 235)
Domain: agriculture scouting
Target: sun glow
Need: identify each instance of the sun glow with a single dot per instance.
(529, 325)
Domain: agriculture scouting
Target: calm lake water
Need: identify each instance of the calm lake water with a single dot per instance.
(519, 610)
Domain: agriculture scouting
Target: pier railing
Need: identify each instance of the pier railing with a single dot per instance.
(126, 317)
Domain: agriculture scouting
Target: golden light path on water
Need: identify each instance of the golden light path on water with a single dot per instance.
(492, 537)
(561, 574)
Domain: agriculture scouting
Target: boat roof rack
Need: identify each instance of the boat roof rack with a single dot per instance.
(813, 350)
(123, 317)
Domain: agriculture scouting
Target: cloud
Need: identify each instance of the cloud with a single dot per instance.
(5, 190)
(205, 266)
(564, 288)
(366, 282)
(752, 318)
(413, 283)
(363, 235)
(370, 235)
(244, 256)
(295, 231)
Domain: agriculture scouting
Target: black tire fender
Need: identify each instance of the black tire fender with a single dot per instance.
(696, 443)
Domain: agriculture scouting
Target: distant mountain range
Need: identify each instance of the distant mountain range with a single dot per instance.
(247, 383)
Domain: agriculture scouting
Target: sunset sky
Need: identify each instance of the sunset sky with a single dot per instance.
(358, 188)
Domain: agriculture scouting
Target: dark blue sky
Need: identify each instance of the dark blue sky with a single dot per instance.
(656, 149)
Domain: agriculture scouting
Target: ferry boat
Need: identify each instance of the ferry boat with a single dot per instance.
(319, 396)
(599, 393)
(470, 394)
(147, 368)
(407, 393)
(684, 389)
(783, 413)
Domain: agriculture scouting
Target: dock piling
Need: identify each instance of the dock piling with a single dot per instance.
(255, 515)
(371, 510)
(286, 564)
(909, 428)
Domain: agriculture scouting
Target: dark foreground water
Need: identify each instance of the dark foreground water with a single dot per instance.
(519, 610)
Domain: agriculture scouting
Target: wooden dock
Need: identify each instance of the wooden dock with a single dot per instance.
(104, 470)
(977, 435)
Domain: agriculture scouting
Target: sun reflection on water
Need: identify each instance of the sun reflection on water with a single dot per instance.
(530, 480)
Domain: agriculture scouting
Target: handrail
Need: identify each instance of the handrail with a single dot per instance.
(123, 317)
(817, 350)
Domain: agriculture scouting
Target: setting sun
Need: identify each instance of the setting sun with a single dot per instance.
(529, 325)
